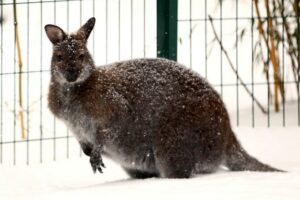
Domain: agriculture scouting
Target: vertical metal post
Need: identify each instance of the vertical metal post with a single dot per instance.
(298, 71)
(1, 85)
(167, 29)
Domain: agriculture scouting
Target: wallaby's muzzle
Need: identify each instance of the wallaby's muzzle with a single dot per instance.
(71, 74)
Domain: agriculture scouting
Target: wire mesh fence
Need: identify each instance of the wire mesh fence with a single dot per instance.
(237, 25)
(127, 29)
(124, 30)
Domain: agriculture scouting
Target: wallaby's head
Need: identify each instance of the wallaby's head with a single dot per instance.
(71, 60)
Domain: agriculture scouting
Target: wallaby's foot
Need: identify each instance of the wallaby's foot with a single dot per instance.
(134, 173)
(96, 160)
(175, 163)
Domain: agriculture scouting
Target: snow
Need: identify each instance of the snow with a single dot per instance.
(74, 179)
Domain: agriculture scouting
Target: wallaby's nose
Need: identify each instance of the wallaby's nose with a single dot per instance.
(71, 74)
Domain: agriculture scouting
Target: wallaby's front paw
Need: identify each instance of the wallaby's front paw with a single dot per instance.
(97, 164)
(96, 160)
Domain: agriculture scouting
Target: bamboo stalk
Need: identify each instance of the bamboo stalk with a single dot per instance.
(20, 64)
(233, 68)
(296, 8)
(273, 53)
(290, 47)
(274, 58)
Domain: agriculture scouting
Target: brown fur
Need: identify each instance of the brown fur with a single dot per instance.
(153, 116)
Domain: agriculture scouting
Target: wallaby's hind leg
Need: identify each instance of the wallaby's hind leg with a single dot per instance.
(134, 173)
(174, 164)
(174, 156)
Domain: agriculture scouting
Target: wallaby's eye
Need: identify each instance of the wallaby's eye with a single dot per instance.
(58, 57)
(81, 57)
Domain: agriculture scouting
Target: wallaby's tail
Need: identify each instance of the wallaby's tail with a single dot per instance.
(237, 159)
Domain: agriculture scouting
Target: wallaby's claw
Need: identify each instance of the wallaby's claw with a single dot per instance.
(96, 161)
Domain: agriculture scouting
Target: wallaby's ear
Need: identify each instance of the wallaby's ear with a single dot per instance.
(54, 33)
(85, 31)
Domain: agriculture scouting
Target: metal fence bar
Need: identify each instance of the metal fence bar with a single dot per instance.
(54, 119)
(252, 65)
(28, 88)
(144, 27)
(234, 18)
(298, 25)
(205, 36)
(131, 29)
(283, 67)
(237, 61)
(68, 29)
(93, 45)
(80, 22)
(167, 29)
(37, 139)
(36, 2)
(15, 89)
(119, 28)
(24, 72)
(191, 36)
(106, 31)
(221, 53)
(41, 83)
(1, 94)
(268, 80)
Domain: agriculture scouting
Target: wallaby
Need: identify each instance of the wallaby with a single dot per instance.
(153, 116)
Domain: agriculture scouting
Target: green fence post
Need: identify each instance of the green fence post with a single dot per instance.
(167, 29)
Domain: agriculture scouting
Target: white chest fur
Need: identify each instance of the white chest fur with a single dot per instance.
(84, 130)
(82, 126)
(75, 117)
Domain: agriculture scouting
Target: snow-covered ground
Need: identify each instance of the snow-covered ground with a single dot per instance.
(73, 179)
